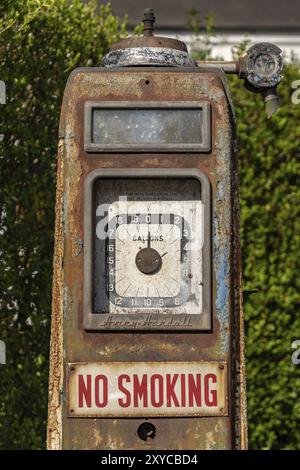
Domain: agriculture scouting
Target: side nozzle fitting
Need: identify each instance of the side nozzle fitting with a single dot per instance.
(271, 101)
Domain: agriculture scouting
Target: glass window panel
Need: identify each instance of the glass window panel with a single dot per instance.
(147, 126)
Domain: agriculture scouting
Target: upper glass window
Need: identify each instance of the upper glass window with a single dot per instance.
(140, 126)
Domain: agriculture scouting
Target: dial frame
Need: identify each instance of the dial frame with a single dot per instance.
(148, 320)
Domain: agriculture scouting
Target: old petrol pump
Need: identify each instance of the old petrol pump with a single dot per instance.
(147, 325)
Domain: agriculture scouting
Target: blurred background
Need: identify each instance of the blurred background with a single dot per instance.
(41, 42)
(234, 20)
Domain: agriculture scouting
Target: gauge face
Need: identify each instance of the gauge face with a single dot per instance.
(148, 247)
(149, 263)
(264, 65)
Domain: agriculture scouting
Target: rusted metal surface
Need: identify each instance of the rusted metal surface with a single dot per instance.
(223, 343)
(239, 402)
(54, 428)
(152, 41)
(137, 389)
(227, 66)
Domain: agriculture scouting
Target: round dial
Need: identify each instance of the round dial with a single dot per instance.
(262, 66)
(149, 256)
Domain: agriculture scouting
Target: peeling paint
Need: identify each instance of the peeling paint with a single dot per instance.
(210, 441)
(222, 275)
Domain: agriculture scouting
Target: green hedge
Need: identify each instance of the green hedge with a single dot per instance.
(37, 53)
(40, 43)
(269, 165)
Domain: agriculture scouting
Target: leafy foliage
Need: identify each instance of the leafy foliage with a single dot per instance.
(203, 33)
(270, 233)
(40, 43)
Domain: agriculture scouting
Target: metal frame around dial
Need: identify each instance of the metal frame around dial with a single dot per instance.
(148, 320)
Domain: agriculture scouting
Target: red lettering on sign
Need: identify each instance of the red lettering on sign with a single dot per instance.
(210, 395)
(140, 391)
(170, 385)
(85, 391)
(183, 394)
(194, 389)
(157, 391)
(101, 403)
(124, 403)
(169, 390)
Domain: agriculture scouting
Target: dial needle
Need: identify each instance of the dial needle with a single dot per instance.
(164, 254)
(149, 238)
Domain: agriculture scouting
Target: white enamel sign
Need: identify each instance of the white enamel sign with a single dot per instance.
(147, 389)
